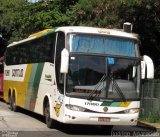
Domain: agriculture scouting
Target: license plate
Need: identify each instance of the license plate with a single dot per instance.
(104, 119)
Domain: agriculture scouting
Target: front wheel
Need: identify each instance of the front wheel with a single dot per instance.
(49, 122)
(13, 105)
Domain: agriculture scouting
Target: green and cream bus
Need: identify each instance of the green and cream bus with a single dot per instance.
(77, 75)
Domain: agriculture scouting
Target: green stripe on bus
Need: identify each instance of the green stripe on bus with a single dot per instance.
(106, 103)
(33, 85)
(116, 104)
(111, 104)
(30, 85)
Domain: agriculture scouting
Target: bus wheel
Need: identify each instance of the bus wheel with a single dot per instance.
(13, 105)
(9, 98)
(10, 103)
(49, 122)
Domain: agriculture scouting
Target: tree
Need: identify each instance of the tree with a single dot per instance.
(143, 14)
(20, 18)
(9, 19)
(94, 13)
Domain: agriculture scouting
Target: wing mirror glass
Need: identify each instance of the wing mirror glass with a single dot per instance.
(147, 68)
(64, 61)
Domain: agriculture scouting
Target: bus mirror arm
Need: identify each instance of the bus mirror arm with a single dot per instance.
(64, 61)
(147, 68)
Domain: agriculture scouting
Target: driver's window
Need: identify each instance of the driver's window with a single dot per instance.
(59, 47)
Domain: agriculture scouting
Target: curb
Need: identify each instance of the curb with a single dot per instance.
(155, 126)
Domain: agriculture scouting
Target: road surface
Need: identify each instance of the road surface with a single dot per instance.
(25, 123)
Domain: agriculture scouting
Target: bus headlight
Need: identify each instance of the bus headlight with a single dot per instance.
(132, 110)
(75, 108)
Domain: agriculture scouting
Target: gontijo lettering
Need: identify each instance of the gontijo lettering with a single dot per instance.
(17, 72)
(7, 72)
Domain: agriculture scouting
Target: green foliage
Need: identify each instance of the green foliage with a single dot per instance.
(145, 15)
(20, 18)
(10, 14)
(152, 117)
(157, 72)
(94, 13)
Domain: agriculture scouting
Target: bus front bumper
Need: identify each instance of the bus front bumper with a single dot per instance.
(100, 119)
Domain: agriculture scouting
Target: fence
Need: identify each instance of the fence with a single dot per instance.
(151, 98)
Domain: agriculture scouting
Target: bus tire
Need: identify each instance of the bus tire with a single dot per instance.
(49, 122)
(9, 102)
(13, 105)
(9, 97)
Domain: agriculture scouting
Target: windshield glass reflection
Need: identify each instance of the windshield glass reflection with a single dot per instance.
(103, 77)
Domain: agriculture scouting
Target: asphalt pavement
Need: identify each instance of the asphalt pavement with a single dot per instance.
(25, 123)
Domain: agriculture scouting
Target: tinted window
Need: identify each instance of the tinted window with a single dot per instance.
(102, 45)
(60, 46)
(35, 51)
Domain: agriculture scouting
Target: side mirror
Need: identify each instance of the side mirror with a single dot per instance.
(134, 72)
(143, 69)
(147, 68)
(64, 61)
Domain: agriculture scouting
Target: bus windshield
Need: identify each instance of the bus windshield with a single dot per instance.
(103, 45)
(107, 67)
(103, 77)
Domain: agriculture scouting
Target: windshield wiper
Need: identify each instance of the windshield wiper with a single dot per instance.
(117, 88)
(96, 91)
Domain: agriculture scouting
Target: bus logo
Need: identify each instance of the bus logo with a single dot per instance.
(91, 104)
(105, 109)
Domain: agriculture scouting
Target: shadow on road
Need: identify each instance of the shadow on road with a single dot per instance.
(97, 130)
(84, 130)
(32, 114)
(116, 131)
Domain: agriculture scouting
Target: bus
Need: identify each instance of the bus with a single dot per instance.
(76, 75)
(1, 77)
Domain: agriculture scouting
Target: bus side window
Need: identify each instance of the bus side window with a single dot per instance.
(59, 47)
(51, 47)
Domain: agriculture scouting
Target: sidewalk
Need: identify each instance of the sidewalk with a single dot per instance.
(153, 125)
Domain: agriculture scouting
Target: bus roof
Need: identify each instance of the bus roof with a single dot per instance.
(40, 33)
(79, 29)
(98, 31)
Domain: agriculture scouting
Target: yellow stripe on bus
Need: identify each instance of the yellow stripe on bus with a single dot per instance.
(28, 72)
(19, 87)
(39, 34)
(125, 104)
